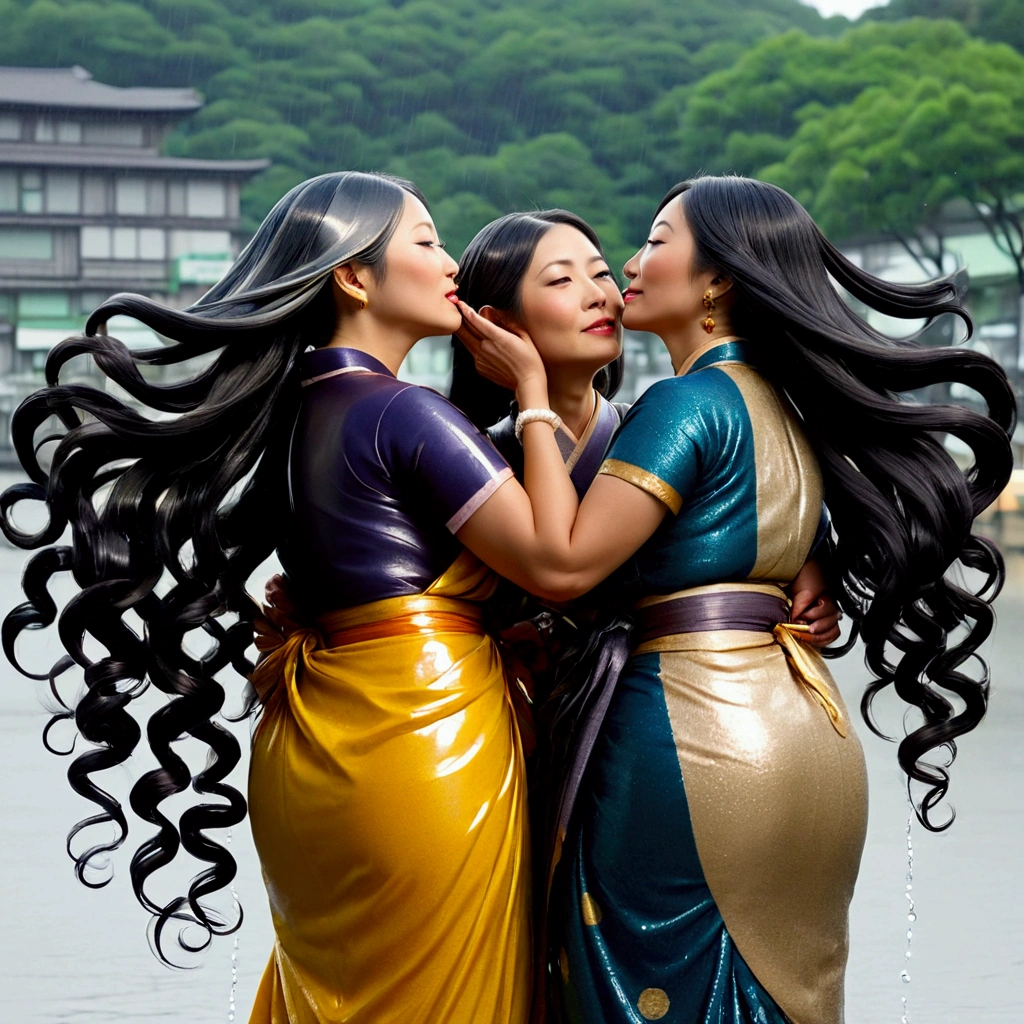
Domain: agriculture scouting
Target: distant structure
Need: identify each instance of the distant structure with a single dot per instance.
(89, 207)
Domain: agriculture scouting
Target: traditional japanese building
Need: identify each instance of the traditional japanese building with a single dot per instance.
(89, 207)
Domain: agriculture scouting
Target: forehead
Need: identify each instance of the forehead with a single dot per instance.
(672, 214)
(413, 213)
(563, 242)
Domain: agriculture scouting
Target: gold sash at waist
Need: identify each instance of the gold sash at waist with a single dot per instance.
(805, 665)
(449, 605)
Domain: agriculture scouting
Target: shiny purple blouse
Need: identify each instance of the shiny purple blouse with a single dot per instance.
(381, 474)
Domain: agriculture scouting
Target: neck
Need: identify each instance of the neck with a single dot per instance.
(571, 395)
(366, 334)
(682, 344)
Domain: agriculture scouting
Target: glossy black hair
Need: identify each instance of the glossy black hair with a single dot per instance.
(491, 273)
(171, 513)
(901, 507)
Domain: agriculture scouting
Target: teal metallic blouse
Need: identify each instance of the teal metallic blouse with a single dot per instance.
(718, 445)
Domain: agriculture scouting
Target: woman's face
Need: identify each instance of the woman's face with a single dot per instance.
(418, 290)
(570, 304)
(664, 293)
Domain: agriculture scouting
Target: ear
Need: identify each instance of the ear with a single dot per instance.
(347, 279)
(502, 320)
(721, 284)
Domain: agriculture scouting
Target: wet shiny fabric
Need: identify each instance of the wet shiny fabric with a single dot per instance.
(722, 782)
(387, 799)
(719, 829)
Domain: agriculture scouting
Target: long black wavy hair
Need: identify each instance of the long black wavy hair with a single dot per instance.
(491, 273)
(169, 514)
(901, 507)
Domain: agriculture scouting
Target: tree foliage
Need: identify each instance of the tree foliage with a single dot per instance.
(946, 125)
(501, 104)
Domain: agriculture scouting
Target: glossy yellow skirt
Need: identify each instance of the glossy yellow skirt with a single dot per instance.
(388, 806)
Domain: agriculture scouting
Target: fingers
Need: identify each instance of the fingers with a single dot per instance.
(822, 639)
(802, 601)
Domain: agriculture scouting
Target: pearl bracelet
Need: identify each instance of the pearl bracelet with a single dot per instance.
(536, 416)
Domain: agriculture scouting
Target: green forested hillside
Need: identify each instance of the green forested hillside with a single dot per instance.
(492, 105)
(487, 104)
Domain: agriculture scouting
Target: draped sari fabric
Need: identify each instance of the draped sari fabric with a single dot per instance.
(388, 808)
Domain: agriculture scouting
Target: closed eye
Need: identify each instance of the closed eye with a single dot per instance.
(603, 273)
(434, 245)
(561, 280)
(654, 241)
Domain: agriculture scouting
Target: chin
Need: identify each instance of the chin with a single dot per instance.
(449, 324)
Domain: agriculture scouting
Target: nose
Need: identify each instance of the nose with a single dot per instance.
(631, 270)
(597, 299)
(451, 268)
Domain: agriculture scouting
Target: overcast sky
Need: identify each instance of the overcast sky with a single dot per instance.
(851, 8)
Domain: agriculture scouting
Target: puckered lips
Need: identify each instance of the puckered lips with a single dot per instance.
(631, 295)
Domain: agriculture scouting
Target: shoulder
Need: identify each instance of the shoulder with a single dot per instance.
(696, 401)
(414, 405)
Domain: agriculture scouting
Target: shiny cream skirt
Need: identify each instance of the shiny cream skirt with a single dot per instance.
(387, 798)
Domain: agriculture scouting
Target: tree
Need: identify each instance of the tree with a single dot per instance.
(890, 159)
(998, 21)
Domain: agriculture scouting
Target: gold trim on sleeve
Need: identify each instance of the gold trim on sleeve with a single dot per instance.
(645, 481)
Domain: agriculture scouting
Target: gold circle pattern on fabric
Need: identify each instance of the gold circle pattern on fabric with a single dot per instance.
(653, 1003)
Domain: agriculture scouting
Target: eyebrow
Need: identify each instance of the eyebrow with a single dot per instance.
(666, 223)
(424, 224)
(568, 263)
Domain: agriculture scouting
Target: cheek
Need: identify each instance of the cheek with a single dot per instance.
(550, 319)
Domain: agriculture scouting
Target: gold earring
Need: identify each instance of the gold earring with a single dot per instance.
(362, 303)
(708, 323)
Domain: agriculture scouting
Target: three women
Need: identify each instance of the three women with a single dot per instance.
(390, 721)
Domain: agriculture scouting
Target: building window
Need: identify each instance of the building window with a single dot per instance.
(62, 192)
(125, 244)
(6, 305)
(95, 244)
(206, 199)
(8, 191)
(112, 134)
(156, 197)
(25, 244)
(10, 128)
(46, 130)
(69, 132)
(200, 243)
(100, 243)
(31, 192)
(130, 196)
(94, 195)
(176, 198)
(152, 244)
(44, 305)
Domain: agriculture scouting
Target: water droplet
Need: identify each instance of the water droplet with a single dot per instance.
(910, 934)
(911, 916)
(909, 887)
(905, 977)
(906, 956)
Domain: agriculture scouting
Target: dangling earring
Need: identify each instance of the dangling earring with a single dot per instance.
(708, 323)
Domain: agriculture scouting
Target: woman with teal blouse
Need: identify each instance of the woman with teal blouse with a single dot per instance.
(706, 872)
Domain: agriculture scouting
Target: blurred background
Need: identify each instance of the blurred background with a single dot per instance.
(142, 141)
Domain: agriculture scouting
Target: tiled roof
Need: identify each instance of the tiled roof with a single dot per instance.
(55, 88)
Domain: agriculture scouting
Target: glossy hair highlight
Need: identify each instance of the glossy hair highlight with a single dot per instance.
(901, 507)
(169, 515)
(491, 273)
